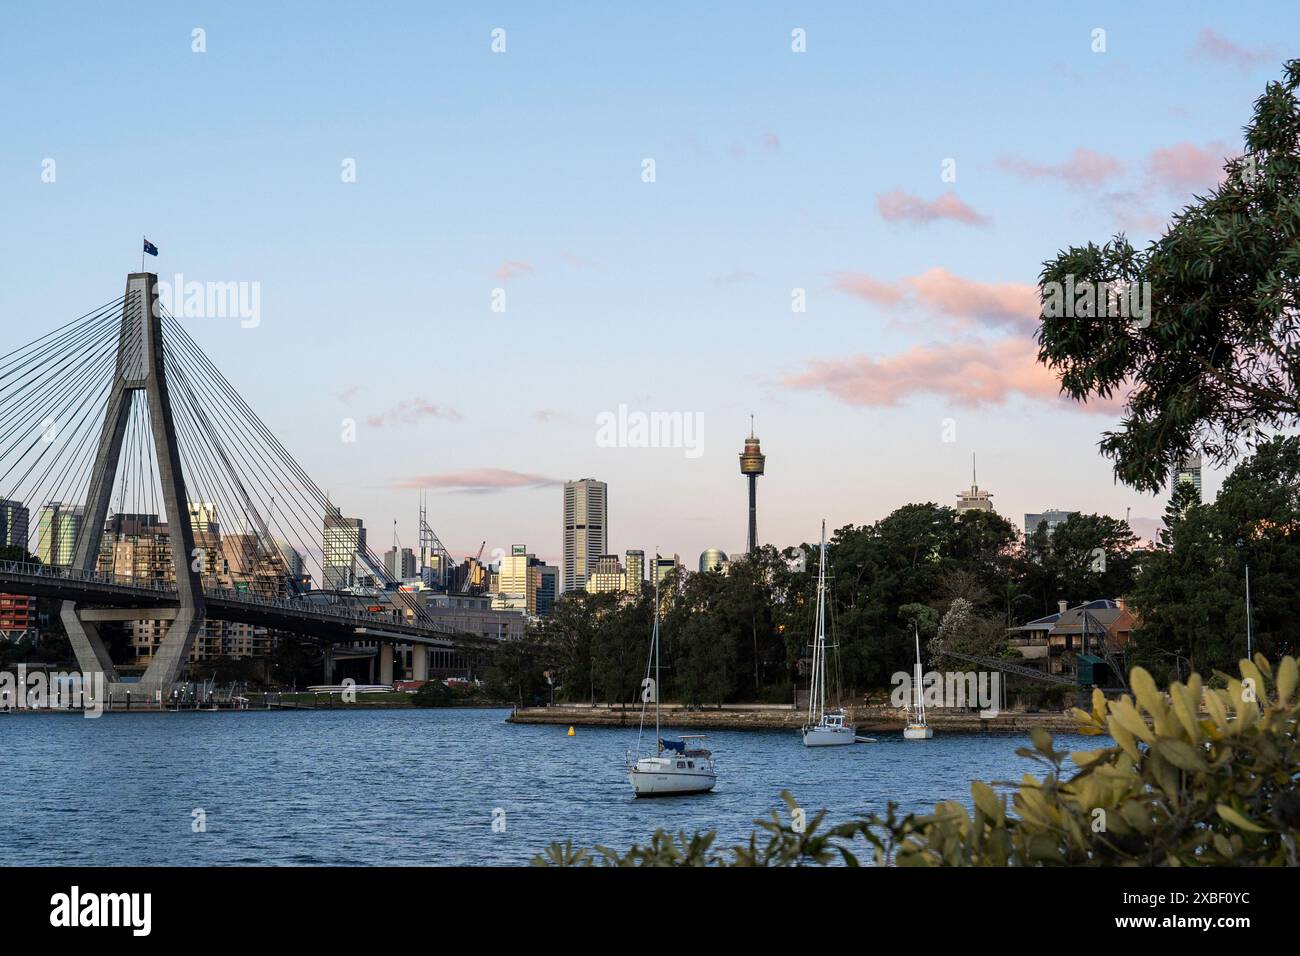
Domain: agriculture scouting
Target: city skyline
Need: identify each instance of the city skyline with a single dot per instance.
(917, 288)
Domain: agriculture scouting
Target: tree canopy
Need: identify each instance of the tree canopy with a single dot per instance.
(1218, 358)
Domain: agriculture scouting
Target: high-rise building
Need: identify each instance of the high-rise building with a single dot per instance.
(586, 529)
(634, 576)
(343, 539)
(606, 576)
(203, 517)
(974, 499)
(17, 611)
(752, 463)
(711, 559)
(57, 528)
(14, 520)
(548, 589)
(518, 580)
(664, 565)
(1189, 470)
(400, 564)
(1051, 518)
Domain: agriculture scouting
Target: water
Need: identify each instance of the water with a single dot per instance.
(374, 787)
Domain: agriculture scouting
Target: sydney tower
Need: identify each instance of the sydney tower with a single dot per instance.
(751, 466)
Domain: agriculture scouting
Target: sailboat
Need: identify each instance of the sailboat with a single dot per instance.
(917, 728)
(824, 728)
(678, 767)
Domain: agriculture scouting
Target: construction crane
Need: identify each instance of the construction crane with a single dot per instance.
(432, 549)
(475, 563)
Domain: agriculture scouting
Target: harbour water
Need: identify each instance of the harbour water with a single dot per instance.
(374, 787)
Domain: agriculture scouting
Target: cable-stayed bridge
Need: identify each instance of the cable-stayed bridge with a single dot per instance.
(146, 488)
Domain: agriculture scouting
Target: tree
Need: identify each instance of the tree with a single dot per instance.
(1191, 595)
(1219, 358)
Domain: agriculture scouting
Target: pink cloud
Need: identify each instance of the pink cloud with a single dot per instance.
(1186, 167)
(479, 481)
(867, 288)
(900, 206)
(512, 268)
(412, 410)
(1212, 45)
(1084, 168)
(963, 302)
(972, 373)
(969, 301)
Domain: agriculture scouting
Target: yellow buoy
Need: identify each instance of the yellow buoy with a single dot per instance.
(571, 733)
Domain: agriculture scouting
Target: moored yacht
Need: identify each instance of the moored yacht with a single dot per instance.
(824, 728)
(677, 767)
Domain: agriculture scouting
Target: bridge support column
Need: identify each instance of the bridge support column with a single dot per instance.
(385, 663)
(139, 368)
(419, 662)
(327, 655)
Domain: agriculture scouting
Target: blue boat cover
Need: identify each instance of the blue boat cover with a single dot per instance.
(678, 745)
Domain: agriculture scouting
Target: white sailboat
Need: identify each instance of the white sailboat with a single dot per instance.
(678, 767)
(917, 728)
(824, 728)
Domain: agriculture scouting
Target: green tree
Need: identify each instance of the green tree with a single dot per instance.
(1191, 595)
(1220, 357)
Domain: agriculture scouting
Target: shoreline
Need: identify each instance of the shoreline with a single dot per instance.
(865, 720)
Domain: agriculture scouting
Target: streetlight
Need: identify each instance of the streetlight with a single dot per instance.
(1246, 562)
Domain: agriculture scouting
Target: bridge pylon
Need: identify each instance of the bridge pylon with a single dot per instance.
(140, 373)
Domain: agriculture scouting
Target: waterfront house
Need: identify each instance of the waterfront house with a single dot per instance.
(1074, 640)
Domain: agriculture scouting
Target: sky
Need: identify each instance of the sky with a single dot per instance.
(502, 272)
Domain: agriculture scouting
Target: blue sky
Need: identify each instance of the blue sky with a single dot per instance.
(522, 171)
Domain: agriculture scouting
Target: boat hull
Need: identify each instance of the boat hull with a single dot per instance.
(658, 783)
(827, 736)
(917, 732)
(672, 776)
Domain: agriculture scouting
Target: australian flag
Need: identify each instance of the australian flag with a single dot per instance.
(150, 249)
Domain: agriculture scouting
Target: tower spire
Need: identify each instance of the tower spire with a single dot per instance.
(751, 466)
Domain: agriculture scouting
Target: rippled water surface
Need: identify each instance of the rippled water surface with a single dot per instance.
(416, 787)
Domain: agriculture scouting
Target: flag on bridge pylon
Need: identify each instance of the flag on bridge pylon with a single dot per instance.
(150, 249)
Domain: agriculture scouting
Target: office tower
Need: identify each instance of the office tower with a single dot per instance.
(1190, 471)
(400, 564)
(606, 575)
(665, 565)
(517, 581)
(634, 577)
(712, 558)
(586, 530)
(203, 517)
(14, 519)
(343, 539)
(752, 462)
(974, 500)
(548, 588)
(57, 528)
(17, 611)
(1051, 517)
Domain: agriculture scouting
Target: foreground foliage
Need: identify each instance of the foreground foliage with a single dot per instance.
(1177, 788)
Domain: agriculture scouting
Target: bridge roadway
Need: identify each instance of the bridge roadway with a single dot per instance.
(328, 623)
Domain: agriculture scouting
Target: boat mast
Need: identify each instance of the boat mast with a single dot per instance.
(817, 693)
(918, 691)
(659, 744)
